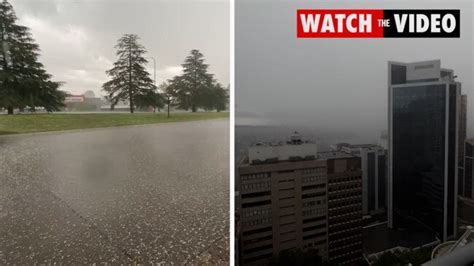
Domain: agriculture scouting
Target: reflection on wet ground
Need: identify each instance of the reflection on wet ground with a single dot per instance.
(147, 194)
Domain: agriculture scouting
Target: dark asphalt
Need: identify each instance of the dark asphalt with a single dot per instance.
(152, 194)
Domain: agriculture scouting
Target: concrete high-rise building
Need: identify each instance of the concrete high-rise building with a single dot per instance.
(373, 164)
(293, 197)
(344, 208)
(462, 142)
(423, 114)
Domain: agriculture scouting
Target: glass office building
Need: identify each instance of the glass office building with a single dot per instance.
(469, 169)
(424, 106)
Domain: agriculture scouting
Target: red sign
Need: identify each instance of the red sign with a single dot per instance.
(339, 23)
(74, 99)
(378, 23)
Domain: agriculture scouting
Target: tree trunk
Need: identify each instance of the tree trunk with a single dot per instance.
(169, 107)
(193, 108)
(131, 104)
(130, 94)
(10, 110)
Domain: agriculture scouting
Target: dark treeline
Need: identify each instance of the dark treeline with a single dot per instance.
(25, 84)
(23, 80)
(194, 89)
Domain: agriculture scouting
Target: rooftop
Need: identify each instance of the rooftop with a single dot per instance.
(294, 149)
(465, 239)
(360, 146)
(460, 252)
(379, 238)
(368, 146)
(424, 71)
(295, 139)
(324, 155)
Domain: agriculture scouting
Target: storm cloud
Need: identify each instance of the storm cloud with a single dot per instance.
(332, 84)
(77, 38)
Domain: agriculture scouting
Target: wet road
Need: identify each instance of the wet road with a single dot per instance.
(152, 194)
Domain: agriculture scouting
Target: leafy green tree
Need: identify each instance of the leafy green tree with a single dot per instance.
(191, 90)
(129, 78)
(150, 99)
(221, 97)
(177, 96)
(169, 93)
(23, 80)
(215, 98)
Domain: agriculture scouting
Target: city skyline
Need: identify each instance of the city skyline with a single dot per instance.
(420, 190)
(293, 197)
(335, 84)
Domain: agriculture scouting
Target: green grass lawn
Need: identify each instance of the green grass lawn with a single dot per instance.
(28, 123)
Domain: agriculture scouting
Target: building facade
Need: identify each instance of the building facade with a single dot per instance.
(374, 174)
(462, 143)
(424, 107)
(469, 169)
(344, 209)
(292, 197)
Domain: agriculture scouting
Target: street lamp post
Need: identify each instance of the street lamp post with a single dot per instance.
(154, 73)
(154, 81)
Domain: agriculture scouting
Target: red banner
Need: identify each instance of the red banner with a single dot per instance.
(339, 23)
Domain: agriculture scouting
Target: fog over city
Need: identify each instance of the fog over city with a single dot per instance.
(332, 85)
(77, 38)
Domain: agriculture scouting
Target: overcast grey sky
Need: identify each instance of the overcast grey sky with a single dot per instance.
(77, 37)
(333, 84)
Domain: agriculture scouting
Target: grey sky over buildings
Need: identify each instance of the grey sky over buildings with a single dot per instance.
(77, 37)
(332, 84)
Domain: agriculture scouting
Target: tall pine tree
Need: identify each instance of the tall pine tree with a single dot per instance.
(191, 90)
(129, 78)
(23, 80)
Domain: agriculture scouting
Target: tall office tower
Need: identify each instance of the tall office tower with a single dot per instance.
(284, 201)
(344, 208)
(469, 169)
(466, 201)
(373, 161)
(424, 106)
(462, 142)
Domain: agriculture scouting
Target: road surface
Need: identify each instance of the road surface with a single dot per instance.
(151, 194)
